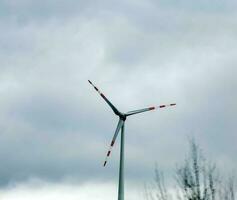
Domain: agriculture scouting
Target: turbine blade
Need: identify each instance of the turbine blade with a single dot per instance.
(107, 101)
(148, 109)
(120, 124)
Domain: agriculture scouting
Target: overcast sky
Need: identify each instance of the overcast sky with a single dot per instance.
(55, 129)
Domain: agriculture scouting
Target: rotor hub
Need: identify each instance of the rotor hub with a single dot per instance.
(123, 117)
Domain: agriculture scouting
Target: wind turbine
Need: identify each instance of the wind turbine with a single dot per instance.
(120, 126)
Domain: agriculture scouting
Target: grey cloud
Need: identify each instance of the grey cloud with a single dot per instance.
(53, 123)
(28, 10)
(200, 6)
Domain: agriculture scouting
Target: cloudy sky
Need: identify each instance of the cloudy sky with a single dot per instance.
(55, 129)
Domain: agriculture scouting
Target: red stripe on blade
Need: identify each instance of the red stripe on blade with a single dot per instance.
(96, 88)
(105, 163)
(151, 108)
(173, 104)
(162, 106)
(108, 153)
(112, 143)
(90, 82)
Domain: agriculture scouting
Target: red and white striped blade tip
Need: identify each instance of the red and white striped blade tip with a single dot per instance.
(163, 106)
(105, 163)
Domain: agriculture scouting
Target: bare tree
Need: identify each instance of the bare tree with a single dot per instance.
(196, 179)
(227, 189)
(157, 190)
